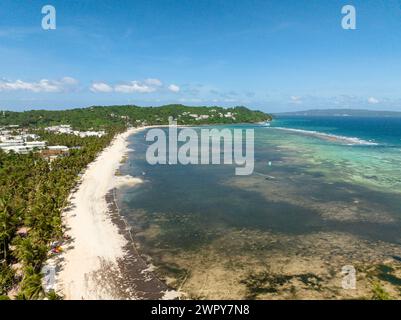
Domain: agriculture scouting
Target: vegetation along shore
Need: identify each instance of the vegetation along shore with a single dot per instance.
(37, 181)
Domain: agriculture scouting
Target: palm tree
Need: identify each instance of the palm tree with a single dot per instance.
(7, 226)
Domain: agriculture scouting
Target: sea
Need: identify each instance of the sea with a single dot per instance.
(325, 195)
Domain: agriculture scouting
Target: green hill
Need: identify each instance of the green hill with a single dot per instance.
(101, 117)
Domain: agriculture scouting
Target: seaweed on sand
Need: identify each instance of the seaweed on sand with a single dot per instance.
(266, 282)
(176, 274)
(379, 293)
(385, 273)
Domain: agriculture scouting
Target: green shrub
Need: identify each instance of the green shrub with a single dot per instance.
(379, 293)
(6, 278)
(31, 285)
(31, 252)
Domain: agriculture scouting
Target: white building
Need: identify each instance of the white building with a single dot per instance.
(36, 144)
(63, 128)
(8, 141)
(84, 134)
(22, 149)
(58, 148)
(66, 129)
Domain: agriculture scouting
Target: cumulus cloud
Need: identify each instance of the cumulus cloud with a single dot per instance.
(373, 100)
(44, 85)
(146, 86)
(174, 88)
(68, 84)
(134, 86)
(101, 87)
(69, 81)
(153, 82)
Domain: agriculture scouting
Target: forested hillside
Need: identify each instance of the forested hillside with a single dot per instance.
(111, 116)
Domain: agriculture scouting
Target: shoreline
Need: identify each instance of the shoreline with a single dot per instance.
(123, 277)
(100, 260)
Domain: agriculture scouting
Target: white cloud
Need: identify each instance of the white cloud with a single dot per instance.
(373, 100)
(153, 82)
(68, 84)
(146, 86)
(174, 88)
(43, 85)
(101, 87)
(69, 81)
(296, 99)
(134, 86)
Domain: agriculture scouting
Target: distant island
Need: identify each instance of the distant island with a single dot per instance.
(341, 113)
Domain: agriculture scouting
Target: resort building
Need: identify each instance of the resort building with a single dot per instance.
(66, 129)
(22, 142)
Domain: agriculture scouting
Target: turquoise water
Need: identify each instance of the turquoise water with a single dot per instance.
(384, 130)
(321, 195)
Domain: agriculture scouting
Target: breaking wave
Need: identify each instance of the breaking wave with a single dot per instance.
(331, 137)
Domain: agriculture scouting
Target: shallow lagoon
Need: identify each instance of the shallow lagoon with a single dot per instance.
(284, 232)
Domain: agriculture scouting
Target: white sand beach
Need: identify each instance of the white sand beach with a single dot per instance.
(95, 240)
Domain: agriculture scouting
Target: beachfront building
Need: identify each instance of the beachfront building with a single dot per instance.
(66, 129)
(63, 128)
(22, 146)
(22, 142)
(14, 134)
(35, 144)
(46, 151)
(12, 138)
(7, 141)
(22, 149)
(84, 134)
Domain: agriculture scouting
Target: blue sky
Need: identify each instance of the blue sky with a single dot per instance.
(270, 55)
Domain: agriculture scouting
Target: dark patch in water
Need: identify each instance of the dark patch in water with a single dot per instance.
(266, 282)
(385, 274)
(397, 258)
(193, 206)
